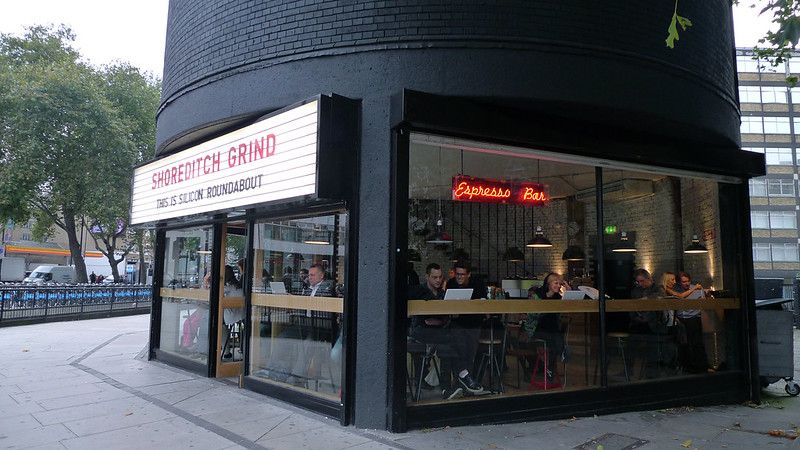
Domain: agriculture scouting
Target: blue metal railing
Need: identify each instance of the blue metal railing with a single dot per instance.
(20, 303)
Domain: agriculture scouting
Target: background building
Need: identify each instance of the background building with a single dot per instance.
(770, 124)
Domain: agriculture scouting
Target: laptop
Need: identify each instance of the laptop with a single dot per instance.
(458, 294)
(573, 295)
(278, 287)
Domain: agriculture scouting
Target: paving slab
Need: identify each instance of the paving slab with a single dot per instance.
(22, 438)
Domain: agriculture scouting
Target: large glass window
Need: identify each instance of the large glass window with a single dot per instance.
(779, 156)
(298, 289)
(782, 220)
(780, 187)
(773, 94)
(185, 293)
(777, 125)
(746, 63)
(761, 252)
(752, 125)
(759, 219)
(784, 252)
(490, 222)
(758, 187)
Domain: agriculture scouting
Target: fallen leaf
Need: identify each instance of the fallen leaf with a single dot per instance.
(777, 433)
(492, 446)
(128, 413)
(738, 425)
(687, 443)
(25, 350)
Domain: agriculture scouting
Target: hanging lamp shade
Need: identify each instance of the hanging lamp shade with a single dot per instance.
(459, 255)
(513, 254)
(624, 245)
(414, 255)
(573, 253)
(439, 236)
(695, 247)
(539, 241)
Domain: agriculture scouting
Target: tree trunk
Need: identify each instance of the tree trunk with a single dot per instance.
(75, 248)
(142, 263)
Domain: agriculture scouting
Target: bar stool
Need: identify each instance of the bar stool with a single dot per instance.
(621, 339)
(491, 357)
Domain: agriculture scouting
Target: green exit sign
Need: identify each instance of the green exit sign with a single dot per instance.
(610, 229)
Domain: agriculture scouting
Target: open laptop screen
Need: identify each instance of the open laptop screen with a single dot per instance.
(458, 294)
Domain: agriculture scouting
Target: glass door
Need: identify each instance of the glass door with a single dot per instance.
(233, 265)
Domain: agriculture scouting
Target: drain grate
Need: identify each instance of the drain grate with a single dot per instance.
(611, 441)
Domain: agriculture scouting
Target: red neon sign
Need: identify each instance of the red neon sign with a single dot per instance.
(470, 189)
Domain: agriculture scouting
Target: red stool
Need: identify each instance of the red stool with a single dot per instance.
(543, 358)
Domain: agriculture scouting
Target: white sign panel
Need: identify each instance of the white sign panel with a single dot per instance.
(273, 159)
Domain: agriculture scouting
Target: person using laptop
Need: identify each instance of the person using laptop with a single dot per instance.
(441, 330)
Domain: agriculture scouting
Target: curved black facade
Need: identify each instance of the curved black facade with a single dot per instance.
(604, 64)
(249, 57)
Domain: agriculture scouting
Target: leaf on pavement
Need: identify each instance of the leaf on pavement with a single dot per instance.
(687, 443)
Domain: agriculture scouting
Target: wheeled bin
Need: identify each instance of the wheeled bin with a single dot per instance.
(775, 344)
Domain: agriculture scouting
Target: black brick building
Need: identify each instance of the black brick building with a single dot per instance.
(589, 86)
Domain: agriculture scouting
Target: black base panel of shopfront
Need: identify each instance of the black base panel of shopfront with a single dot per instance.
(721, 388)
(318, 405)
(182, 363)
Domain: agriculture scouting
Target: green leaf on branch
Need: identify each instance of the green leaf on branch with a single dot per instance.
(672, 31)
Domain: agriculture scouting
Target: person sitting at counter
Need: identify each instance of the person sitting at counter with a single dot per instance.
(547, 326)
(317, 285)
(646, 326)
(692, 352)
(441, 330)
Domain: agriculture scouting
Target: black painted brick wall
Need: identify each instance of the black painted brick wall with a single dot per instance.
(209, 37)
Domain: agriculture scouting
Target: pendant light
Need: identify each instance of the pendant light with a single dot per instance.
(514, 254)
(573, 253)
(695, 247)
(539, 241)
(439, 237)
(624, 245)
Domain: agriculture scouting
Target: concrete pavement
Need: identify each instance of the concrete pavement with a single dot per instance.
(87, 384)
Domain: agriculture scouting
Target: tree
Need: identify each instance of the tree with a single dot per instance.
(135, 98)
(67, 143)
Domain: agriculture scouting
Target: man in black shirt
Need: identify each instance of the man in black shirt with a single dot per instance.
(646, 327)
(441, 331)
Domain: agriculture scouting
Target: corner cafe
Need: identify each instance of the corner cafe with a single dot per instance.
(246, 219)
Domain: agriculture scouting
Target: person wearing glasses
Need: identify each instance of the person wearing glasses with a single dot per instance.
(445, 330)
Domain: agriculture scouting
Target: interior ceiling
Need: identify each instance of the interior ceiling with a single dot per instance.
(428, 179)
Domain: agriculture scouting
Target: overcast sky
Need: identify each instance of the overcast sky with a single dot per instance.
(134, 31)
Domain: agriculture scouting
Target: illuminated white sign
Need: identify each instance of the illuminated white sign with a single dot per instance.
(273, 159)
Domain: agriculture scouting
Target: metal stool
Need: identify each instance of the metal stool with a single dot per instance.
(622, 341)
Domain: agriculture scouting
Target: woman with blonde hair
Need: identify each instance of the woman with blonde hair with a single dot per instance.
(668, 283)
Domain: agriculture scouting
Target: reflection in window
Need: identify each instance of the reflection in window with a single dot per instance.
(298, 285)
(746, 63)
(185, 299)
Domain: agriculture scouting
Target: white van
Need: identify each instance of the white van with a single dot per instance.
(51, 274)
